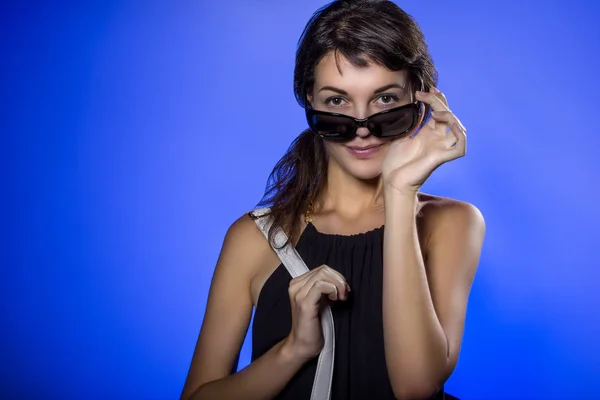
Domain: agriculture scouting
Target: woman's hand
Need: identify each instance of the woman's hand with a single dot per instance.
(307, 292)
(410, 161)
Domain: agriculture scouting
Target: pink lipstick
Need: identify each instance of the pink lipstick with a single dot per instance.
(364, 152)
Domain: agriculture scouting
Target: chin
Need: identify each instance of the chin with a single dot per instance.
(360, 168)
(364, 171)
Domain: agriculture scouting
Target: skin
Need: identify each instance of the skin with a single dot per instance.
(431, 252)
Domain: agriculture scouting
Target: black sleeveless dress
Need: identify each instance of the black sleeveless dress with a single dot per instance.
(359, 367)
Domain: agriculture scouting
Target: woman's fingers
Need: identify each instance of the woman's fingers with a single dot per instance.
(450, 137)
(455, 143)
(319, 288)
(339, 281)
(447, 117)
(300, 286)
(460, 135)
(441, 119)
(439, 95)
(444, 119)
(436, 102)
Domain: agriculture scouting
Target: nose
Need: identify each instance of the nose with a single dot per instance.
(361, 117)
(362, 129)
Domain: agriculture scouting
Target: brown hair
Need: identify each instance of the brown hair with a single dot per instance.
(364, 31)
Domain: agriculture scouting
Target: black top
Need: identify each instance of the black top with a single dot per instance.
(359, 367)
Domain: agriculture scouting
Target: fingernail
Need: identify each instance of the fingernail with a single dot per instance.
(434, 90)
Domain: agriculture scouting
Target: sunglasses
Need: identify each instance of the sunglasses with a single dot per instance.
(390, 123)
(385, 124)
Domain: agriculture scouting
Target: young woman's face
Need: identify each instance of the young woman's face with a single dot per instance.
(358, 92)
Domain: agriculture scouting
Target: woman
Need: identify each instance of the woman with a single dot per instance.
(398, 300)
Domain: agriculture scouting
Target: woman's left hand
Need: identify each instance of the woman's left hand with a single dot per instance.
(410, 161)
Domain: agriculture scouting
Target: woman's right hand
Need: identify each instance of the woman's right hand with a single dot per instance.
(307, 293)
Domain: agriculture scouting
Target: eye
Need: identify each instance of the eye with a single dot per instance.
(334, 101)
(387, 99)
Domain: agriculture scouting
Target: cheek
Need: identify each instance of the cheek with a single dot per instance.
(334, 149)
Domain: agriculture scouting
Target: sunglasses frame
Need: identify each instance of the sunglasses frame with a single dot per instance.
(363, 122)
(359, 123)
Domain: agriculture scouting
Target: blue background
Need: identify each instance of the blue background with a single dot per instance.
(133, 135)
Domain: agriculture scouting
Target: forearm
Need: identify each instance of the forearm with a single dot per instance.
(416, 348)
(262, 379)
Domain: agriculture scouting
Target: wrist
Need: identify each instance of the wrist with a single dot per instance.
(395, 194)
(400, 203)
(406, 191)
(290, 353)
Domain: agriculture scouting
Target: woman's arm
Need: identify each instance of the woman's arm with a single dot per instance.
(225, 323)
(263, 379)
(424, 302)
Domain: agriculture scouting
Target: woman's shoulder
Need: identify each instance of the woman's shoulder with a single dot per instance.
(451, 234)
(244, 233)
(252, 255)
(247, 242)
(438, 210)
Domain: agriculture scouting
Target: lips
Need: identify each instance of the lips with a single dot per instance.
(358, 148)
(364, 152)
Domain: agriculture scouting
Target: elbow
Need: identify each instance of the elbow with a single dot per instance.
(185, 396)
(193, 395)
(415, 392)
(420, 383)
(417, 388)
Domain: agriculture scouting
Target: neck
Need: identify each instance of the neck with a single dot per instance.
(348, 195)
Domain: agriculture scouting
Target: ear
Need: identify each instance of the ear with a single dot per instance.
(309, 100)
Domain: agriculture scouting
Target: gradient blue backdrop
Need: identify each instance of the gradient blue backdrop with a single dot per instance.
(133, 135)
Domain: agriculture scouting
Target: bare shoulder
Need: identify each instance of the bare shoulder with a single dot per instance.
(247, 249)
(443, 215)
(437, 209)
(245, 239)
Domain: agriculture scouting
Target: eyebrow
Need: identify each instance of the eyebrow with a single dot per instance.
(381, 89)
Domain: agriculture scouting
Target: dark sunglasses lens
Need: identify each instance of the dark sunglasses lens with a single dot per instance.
(394, 123)
(331, 127)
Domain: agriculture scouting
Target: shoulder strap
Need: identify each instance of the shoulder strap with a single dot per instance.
(295, 265)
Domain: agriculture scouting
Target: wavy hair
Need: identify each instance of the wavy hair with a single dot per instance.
(364, 32)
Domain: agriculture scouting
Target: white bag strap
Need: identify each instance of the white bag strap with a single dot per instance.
(295, 265)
